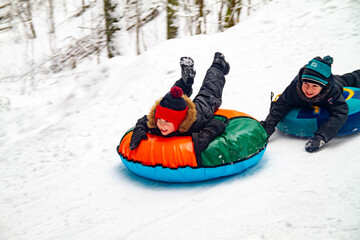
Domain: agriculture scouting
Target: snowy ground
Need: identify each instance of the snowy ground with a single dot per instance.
(61, 177)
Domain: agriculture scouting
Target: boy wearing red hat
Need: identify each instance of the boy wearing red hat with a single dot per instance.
(315, 85)
(177, 115)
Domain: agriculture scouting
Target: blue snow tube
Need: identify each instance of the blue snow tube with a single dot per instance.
(303, 122)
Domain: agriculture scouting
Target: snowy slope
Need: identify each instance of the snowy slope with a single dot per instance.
(61, 177)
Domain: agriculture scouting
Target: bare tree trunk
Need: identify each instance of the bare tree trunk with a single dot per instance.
(220, 18)
(249, 8)
(189, 16)
(138, 26)
(31, 25)
(229, 17)
(172, 29)
(238, 11)
(233, 13)
(110, 27)
(51, 16)
(201, 17)
(52, 40)
(24, 13)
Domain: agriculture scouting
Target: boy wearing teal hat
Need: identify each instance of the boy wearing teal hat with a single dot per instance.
(315, 85)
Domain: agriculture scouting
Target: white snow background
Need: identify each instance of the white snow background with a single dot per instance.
(61, 177)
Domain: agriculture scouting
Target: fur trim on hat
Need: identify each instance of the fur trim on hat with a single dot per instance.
(185, 125)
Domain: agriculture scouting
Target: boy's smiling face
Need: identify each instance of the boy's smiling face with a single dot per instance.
(165, 127)
(310, 90)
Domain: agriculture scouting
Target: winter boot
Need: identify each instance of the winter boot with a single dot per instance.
(220, 63)
(187, 70)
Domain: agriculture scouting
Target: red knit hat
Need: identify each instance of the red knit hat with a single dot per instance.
(172, 107)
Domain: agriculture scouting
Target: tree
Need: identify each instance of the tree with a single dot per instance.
(111, 27)
(51, 23)
(233, 13)
(201, 18)
(172, 28)
(137, 15)
(24, 13)
(249, 8)
(220, 17)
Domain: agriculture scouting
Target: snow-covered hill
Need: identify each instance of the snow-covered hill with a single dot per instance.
(61, 177)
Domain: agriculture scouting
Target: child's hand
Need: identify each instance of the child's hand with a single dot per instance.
(138, 135)
(218, 125)
(213, 129)
(270, 129)
(315, 144)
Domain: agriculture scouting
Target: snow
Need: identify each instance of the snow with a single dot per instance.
(61, 177)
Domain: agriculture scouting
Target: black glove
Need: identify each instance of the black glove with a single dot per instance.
(315, 143)
(138, 135)
(203, 138)
(218, 125)
(269, 128)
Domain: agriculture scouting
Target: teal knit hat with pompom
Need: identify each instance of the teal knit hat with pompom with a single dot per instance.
(318, 71)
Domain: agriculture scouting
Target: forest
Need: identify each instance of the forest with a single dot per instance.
(51, 36)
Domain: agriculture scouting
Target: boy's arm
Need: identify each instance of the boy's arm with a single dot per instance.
(328, 130)
(203, 138)
(279, 109)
